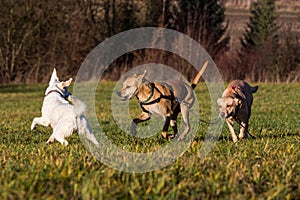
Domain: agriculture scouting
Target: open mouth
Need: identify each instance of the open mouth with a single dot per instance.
(124, 98)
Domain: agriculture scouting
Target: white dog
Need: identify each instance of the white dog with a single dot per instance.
(63, 117)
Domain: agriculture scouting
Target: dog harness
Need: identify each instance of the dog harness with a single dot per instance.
(60, 92)
(170, 97)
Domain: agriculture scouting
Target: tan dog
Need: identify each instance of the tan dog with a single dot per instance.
(164, 99)
(235, 105)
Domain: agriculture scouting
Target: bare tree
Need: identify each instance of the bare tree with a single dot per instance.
(37, 36)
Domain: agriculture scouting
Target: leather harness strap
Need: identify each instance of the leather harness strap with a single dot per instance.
(170, 97)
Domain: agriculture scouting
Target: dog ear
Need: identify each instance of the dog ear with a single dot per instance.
(144, 74)
(54, 77)
(142, 77)
(219, 101)
(67, 83)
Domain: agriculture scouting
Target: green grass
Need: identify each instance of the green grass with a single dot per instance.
(266, 167)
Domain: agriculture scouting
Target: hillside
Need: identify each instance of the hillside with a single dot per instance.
(292, 6)
(237, 13)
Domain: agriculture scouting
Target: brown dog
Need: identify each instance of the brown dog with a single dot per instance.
(235, 105)
(165, 99)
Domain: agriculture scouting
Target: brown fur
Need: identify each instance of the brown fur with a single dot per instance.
(235, 105)
(167, 108)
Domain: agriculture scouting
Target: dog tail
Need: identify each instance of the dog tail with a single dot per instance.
(83, 126)
(254, 89)
(198, 76)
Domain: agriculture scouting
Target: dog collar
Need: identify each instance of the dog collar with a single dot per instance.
(55, 91)
(59, 91)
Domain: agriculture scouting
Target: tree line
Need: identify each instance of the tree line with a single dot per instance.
(36, 36)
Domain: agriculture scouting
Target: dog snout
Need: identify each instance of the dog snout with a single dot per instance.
(119, 93)
(122, 96)
(222, 115)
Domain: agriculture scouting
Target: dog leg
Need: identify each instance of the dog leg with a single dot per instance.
(143, 117)
(40, 121)
(60, 139)
(51, 139)
(166, 127)
(185, 117)
(174, 122)
(231, 128)
(61, 131)
(243, 130)
(174, 127)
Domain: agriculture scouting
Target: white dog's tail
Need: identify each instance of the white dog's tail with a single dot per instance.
(83, 126)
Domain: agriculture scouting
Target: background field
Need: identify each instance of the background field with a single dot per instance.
(266, 167)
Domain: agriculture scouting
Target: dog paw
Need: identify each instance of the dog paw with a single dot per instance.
(235, 140)
(63, 142)
(164, 135)
(172, 136)
(32, 126)
(50, 140)
(243, 136)
(133, 130)
(133, 133)
(180, 138)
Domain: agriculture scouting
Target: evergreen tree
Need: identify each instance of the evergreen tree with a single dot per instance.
(259, 51)
(262, 26)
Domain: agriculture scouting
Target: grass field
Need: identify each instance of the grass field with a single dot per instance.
(267, 167)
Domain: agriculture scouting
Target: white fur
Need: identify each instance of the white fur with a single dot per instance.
(63, 117)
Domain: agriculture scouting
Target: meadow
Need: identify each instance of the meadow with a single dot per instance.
(267, 167)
